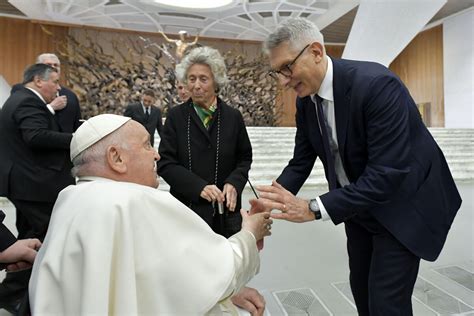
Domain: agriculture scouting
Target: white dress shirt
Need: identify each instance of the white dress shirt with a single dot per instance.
(145, 108)
(326, 93)
(50, 108)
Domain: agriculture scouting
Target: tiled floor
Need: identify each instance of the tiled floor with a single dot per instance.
(438, 300)
(458, 275)
(313, 256)
(304, 268)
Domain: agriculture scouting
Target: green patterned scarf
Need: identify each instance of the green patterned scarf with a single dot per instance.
(204, 114)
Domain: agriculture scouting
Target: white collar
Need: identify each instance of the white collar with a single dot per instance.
(91, 178)
(144, 107)
(37, 93)
(326, 90)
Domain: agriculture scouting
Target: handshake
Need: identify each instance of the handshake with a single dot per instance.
(275, 197)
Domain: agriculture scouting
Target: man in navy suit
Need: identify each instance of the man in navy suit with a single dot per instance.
(388, 179)
(146, 114)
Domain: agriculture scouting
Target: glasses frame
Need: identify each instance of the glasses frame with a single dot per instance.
(285, 71)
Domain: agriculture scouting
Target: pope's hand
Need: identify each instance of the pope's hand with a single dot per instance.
(249, 299)
(259, 224)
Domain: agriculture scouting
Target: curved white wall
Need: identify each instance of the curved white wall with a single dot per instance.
(458, 55)
(4, 90)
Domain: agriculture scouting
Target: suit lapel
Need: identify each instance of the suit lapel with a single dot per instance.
(341, 105)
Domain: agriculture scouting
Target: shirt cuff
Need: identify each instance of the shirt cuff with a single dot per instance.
(50, 108)
(324, 214)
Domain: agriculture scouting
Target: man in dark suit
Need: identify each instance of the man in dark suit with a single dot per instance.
(34, 161)
(146, 114)
(66, 103)
(388, 179)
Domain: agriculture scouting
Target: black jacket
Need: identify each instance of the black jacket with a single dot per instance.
(6, 238)
(34, 153)
(135, 111)
(69, 118)
(188, 174)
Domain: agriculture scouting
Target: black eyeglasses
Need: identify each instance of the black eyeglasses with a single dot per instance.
(285, 70)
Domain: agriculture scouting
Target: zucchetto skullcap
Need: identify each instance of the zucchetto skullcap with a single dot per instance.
(93, 130)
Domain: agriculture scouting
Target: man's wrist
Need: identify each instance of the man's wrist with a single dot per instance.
(314, 207)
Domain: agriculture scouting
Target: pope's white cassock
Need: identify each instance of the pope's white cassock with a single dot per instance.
(118, 248)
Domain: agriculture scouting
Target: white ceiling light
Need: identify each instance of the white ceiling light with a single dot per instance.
(193, 4)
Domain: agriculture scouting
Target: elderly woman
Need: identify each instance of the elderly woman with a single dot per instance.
(205, 150)
(206, 153)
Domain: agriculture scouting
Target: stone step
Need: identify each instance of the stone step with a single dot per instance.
(271, 133)
(291, 136)
(290, 139)
(433, 130)
(273, 148)
(271, 156)
(462, 149)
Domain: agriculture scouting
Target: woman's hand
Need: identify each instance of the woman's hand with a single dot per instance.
(230, 194)
(212, 193)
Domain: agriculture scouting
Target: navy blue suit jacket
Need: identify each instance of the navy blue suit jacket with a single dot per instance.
(396, 170)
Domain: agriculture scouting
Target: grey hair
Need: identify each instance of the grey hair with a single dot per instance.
(41, 58)
(93, 158)
(297, 31)
(207, 56)
(42, 71)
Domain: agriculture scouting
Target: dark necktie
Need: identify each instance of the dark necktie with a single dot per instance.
(327, 149)
(147, 113)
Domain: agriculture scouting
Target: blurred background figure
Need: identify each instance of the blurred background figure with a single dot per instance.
(183, 93)
(146, 114)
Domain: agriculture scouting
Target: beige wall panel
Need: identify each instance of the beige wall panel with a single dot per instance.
(21, 41)
(420, 67)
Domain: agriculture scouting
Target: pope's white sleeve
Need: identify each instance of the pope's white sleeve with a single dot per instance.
(246, 261)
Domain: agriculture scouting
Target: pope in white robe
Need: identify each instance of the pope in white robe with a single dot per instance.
(118, 248)
(121, 248)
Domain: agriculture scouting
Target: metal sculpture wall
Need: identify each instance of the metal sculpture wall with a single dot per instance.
(106, 80)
